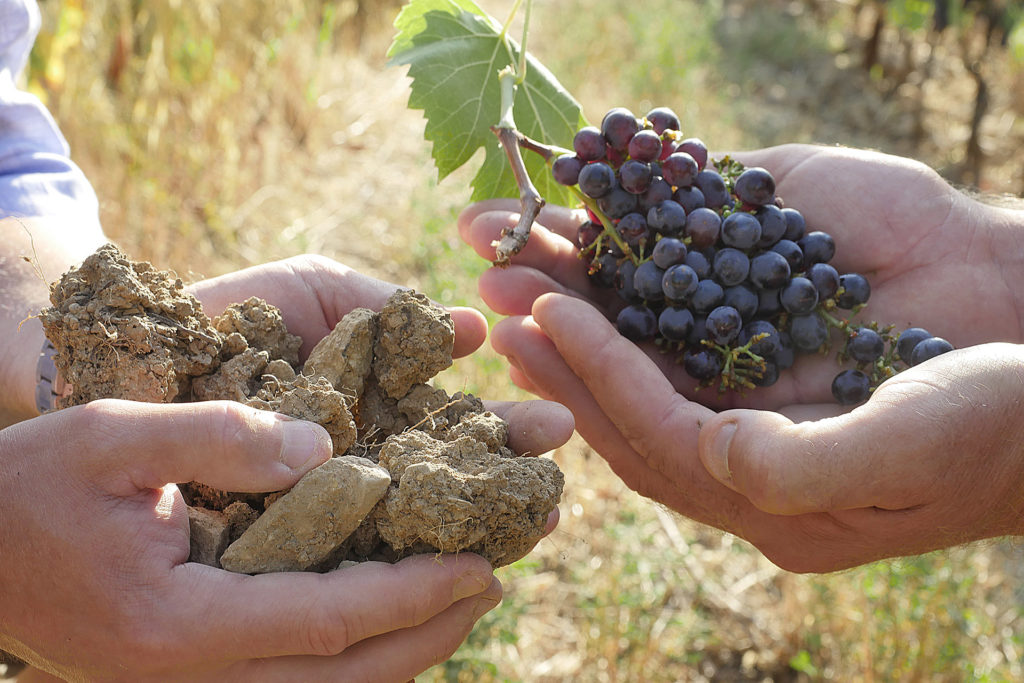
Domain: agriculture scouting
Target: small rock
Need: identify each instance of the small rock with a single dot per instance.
(208, 535)
(345, 355)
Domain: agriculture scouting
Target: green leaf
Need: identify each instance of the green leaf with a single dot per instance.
(454, 51)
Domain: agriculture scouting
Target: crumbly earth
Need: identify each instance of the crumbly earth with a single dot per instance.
(414, 469)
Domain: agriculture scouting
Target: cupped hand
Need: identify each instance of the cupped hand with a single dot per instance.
(95, 547)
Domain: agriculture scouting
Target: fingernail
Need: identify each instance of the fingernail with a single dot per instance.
(470, 583)
(717, 460)
(303, 443)
(484, 605)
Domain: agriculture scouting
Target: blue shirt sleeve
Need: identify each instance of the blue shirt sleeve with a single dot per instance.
(37, 176)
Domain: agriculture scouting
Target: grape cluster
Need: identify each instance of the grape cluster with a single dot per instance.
(713, 266)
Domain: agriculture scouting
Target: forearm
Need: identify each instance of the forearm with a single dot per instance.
(33, 253)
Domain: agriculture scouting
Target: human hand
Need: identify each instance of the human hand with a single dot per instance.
(627, 406)
(96, 583)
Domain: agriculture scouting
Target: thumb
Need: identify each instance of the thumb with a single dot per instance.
(860, 459)
(223, 444)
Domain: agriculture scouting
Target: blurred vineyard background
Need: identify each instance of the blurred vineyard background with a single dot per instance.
(223, 134)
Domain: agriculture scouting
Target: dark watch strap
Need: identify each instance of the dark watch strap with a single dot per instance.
(49, 385)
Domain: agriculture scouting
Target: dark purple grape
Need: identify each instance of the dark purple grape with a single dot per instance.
(702, 364)
(597, 179)
(744, 299)
(635, 176)
(662, 119)
(708, 296)
(617, 203)
(604, 271)
(855, 290)
(696, 149)
(679, 283)
(769, 270)
(566, 169)
(716, 195)
(624, 282)
(785, 355)
(791, 252)
(825, 279)
(808, 332)
(769, 376)
(928, 349)
(765, 347)
(796, 226)
(700, 264)
(633, 229)
(675, 323)
(657, 192)
(679, 169)
(618, 127)
(702, 227)
(818, 247)
(723, 324)
(908, 339)
(799, 296)
(647, 281)
(773, 225)
(730, 266)
(645, 146)
(741, 230)
(587, 234)
(637, 323)
(768, 303)
(699, 331)
(865, 345)
(851, 387)
(690, 198)
(755, 187)
(667, 218)
(589, 144)
(669, 252)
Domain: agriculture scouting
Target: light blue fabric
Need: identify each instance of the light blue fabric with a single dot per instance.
(37, 176)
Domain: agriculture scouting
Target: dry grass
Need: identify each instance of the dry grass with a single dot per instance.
(223, 134)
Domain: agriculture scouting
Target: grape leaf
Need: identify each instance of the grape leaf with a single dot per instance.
(454, 51)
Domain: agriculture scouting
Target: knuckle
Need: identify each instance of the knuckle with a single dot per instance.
(328, 630)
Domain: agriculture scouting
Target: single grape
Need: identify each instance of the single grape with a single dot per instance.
(618, 127)
(700, 264)
(708, 296)
(669, 252)
(865, 345)
(624, 282)
(589, 144)
(796, 227)
(716, 195)
(662, 119)
(690, 198)
(765, 347)
(633, 229)
(791, 252)
(808, 332)
(703, 364)
(635, 176)
(702, 227)
(604, 270)
(699, 331)
(818, 247)
(679, 169)
(785, 355)
(596, 179)
(744, 299)
(773, 225)
(730, 266)
(741, 230)
(587, 234)
(769, 270)
(617, 203)
(657, 192)
(667, 218)
(855, 290)
(908, 339)
(825, 279)
(768, 303)
(769, 376)
(723, 324)
(637, 323)
(566, 169)
(645, 146)
(928, 349)
(851, 387)
(675, 323)
(755, 187)
(647, 281)
(678, 283)
(696, 149)
(799, 296)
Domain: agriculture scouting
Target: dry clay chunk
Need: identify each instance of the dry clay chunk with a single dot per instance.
(457, 496)
(345, 355)
(313, 399)
(414, 342)
(263, 328)
(306, 525)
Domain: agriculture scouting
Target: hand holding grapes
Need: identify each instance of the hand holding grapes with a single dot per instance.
(929, 252)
